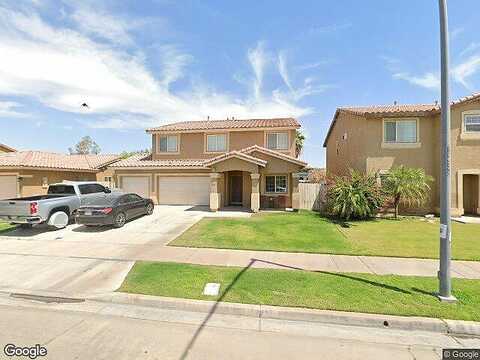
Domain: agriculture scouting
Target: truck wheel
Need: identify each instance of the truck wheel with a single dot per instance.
(119, 220)
(58, 220)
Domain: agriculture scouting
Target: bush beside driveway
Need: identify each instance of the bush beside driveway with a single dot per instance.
(367, 293)
(311, 233)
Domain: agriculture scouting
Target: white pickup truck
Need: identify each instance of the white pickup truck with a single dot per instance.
(55, 208)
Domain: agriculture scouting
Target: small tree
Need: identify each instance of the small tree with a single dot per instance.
(127, 154)
(299, 142)
(407, 186)
(86, 145)
(355, 197)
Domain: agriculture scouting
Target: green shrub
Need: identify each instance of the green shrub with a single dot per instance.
(408, 186)
(357, 196)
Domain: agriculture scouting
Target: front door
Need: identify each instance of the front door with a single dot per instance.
(236, 186)
(470, 193)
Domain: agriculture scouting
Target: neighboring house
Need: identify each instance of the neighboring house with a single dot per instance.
(249, 163)
(373, 139)
(5, 149)
(26, 173)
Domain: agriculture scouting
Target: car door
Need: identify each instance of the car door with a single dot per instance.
(137, 203)
(126, 206)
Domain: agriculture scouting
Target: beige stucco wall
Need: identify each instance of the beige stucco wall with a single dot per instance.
(363, 151)
(351, 152)
(30, 182)
(192, 145)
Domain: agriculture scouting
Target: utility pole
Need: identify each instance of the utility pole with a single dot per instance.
(444, 275)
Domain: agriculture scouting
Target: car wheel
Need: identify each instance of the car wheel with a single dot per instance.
(149, 209)
(120, 220)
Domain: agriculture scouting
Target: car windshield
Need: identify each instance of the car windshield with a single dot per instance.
(101, 200)
(61, 189)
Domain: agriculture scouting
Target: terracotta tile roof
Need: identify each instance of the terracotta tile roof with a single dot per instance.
(274, 153)
(399, 109)
(48, 160)
(6, 147)
(145, 161)
(228, 124)
(411, 109)
(235, 154)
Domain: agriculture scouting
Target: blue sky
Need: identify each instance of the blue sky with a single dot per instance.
(143, 63)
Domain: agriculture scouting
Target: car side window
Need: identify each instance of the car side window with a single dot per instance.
(84, 189)
(97, 188)
(91, 189)
(124, 200)
(134, 197)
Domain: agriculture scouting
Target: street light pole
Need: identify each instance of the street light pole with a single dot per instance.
(444, 275)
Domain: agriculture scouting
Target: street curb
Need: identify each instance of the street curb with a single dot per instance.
(456, 327)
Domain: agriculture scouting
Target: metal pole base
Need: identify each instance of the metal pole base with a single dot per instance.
(447, 299)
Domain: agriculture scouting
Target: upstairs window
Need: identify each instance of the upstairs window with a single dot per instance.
(168, 144)
(471, 123)
(400, 131)
(217, 143)
(277, 141)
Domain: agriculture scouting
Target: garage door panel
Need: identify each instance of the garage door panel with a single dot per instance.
(8, 186)
(137, 184)
(184, 190)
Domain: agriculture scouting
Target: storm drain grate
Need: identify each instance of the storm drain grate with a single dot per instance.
(46, 299)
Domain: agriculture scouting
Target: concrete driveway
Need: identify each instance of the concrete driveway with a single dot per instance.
(79, 260)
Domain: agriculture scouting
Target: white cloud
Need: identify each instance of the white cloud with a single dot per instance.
(463, 71)
(93, 21)
(258, 59)
(470, 48)
(311, 66)
(63, 67)
(8, 110)
(428, 80)
(282, 69)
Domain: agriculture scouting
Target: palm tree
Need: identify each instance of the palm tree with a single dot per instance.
(407, 186)
(299, 141)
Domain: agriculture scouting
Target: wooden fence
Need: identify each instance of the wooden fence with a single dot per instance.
(312, 196)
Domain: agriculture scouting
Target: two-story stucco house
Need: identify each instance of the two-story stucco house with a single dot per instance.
(373, 139)
(250, 163)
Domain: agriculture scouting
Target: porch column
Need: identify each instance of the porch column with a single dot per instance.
(215, 193)
(255, 197)
(295, 192)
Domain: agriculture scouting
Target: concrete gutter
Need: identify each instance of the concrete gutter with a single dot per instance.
(264, 312)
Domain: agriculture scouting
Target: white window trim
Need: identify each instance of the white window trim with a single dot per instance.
(400, 145)
(227, 143)
(466, 135)
(277, 132)
(275, 192)
(158, 136)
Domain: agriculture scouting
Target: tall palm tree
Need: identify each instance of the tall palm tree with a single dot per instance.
(299, 141)
(407, 186)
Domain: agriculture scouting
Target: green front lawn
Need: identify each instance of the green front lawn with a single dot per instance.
(5, 227)
(394, 295)
(309, 232)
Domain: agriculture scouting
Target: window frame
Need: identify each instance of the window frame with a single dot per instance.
(275, 176)
(466, 114)
(159, 150)
(227, 141)
(268, 133)
(396, 143)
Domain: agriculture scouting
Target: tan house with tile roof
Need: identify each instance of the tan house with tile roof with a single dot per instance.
(26, 173)
(4, 148)
(373, 139)
(249, 163)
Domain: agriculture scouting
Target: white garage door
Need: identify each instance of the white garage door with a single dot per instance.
(136, 184)
(184, 190)
(8, 187)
